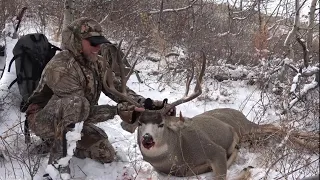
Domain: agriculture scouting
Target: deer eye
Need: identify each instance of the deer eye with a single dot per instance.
(160, 125)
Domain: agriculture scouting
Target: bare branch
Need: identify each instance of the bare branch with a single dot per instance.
(294, 29)
(160, 15)
(172, 54)
(311, 24)
(305, 52)
(172, 10)
(307, 87)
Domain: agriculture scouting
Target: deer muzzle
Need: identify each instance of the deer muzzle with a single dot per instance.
(147, 141)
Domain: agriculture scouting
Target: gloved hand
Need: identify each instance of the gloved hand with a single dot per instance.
(128, 114)
(125, 111)
(157, 105)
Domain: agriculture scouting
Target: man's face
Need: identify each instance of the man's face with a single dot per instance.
(89, 51)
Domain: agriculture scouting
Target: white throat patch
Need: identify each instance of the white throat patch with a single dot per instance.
(154, 151)
(157, 135)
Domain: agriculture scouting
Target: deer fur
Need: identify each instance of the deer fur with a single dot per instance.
(191, 146)
(207, 142)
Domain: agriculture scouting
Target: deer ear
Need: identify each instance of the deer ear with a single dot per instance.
(181, 117)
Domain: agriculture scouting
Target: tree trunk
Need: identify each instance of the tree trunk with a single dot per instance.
(68, 15)
(310, 26)
(290, 37)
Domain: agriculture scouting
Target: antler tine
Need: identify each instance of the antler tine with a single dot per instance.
(108, 83)
(124, 78)
(134, 64)
(189, 80)
(109, 86)
(197, 89)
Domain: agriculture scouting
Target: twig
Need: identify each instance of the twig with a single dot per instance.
(4, 137)
(305, 52)
(298, 168)
(274, 163)
(172, 10)
(14, 172)
(82, 171)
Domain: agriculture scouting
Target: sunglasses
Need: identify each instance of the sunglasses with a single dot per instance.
(94, 44)
(97, 40)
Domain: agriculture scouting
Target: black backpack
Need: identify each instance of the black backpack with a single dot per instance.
(31, 53)
(2, 50)
(2, 60)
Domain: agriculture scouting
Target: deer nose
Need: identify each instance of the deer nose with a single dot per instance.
(147, 137)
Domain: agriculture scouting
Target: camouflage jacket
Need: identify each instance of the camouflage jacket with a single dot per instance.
(70, 75)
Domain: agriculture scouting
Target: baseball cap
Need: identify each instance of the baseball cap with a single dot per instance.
(97, 40)
(90, 29)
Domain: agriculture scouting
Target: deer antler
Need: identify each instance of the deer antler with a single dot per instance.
(108, 78)
(197, 90)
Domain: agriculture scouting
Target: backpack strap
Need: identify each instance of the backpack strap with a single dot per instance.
(14, 58)
(19, 80)
(26, 131)
(12, 83)
(35, 71)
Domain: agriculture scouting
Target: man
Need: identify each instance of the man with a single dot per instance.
(68, 93)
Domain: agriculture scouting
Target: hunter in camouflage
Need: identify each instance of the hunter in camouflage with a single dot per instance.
(68, 93)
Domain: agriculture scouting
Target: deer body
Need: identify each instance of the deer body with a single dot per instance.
(234, 118)
(192, 147)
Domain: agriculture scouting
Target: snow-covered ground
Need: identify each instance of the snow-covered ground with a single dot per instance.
(129, 164)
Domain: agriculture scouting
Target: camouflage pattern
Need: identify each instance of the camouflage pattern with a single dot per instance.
(49, 123)
(95, 145)
(68, 92)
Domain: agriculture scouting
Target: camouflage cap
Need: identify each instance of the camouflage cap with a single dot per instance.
(84, 28)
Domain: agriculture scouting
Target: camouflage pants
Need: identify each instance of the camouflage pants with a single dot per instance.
(55, 119)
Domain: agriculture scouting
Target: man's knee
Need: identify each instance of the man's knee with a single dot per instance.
(64, 111)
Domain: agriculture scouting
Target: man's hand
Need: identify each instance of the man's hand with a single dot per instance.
(129, 113)
(125, 111)
(157, 105)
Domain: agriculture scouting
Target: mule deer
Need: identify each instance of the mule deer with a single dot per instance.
(183, 146)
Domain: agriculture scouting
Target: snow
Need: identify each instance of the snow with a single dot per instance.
(129, 163)
(9, 28)
(72, 137)
(295, 82)
(307, 87)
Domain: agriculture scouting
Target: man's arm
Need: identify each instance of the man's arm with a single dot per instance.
(57, 78)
